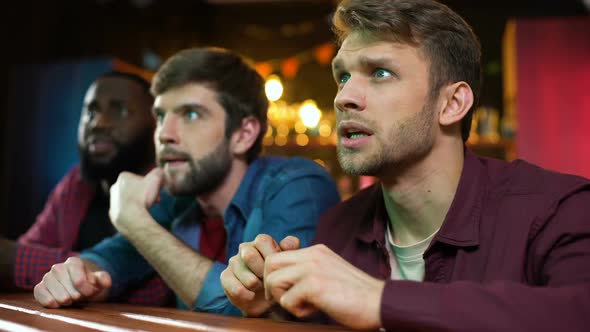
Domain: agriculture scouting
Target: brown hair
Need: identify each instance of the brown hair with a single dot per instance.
(446, 39)
(239, 87)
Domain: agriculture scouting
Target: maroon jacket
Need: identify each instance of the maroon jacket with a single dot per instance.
(513, 253)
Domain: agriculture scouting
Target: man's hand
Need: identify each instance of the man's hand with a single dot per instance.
(131, 197)
(242, 279)
(315, 278)
(72, 281)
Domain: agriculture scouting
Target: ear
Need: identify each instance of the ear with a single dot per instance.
(458, 99)
(244, 137)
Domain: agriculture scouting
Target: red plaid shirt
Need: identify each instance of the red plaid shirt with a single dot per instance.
(55, 232)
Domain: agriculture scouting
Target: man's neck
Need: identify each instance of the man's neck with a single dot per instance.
(418, 199)
(214, 204)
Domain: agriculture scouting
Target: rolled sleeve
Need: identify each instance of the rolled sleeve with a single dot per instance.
(117, 256)
(117, 287)
(121, 260)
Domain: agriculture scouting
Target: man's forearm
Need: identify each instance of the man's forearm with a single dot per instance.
(183, 269)
(7, 252)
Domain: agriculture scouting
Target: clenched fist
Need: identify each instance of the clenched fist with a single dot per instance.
(72, 281)
(131, 197)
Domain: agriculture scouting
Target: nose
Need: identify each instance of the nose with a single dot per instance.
(102, 120)
(351, 97)
(167, 131)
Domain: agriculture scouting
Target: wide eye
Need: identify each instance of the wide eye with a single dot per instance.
(90, 111)
(343, 78)
(121, 111)
(191, 115)
(380, 72)
(159, 116)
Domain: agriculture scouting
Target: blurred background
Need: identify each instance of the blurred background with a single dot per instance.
(535, 102)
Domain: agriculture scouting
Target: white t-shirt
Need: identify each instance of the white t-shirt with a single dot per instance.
(407, 262)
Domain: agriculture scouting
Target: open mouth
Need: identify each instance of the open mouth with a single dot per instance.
(353, 130)
(101, 145)
(353, 134)
(172, 161)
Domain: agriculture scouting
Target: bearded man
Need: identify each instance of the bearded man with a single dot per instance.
(114, 135)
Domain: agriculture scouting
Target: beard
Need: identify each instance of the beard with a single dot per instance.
(204, 175)
(406, 143)
(135, 156)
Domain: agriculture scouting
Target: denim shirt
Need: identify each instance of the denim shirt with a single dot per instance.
(278, 196)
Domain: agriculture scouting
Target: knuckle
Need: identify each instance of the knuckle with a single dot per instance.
(225, 276)
(72, 261)
(251, 283)
(62, 299)
(321, 248)
(249, 255)
(234, 291)
(233, 261)
(243, 245)
(78, 283)
(38, 289)
(239, 292)
(262, 238)
(46, 277)
(319, 252)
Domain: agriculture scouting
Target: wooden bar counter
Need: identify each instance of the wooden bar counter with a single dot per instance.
(20, 312)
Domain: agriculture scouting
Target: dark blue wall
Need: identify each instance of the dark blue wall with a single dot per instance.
(40, 140)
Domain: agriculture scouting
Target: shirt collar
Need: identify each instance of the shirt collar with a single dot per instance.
(187, 209)
(461, 225)
(374, 221)
(243, 201)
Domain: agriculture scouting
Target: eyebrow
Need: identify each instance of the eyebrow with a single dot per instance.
(183, 107)
(117, 102)
(366, 61)
(337, 64)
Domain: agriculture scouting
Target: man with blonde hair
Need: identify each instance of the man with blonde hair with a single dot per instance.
(446, 241)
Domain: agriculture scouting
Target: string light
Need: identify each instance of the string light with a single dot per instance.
(273, 88)
(302, 140)
(325, 129)
(281, 140)
(300, 128)
(310, 113)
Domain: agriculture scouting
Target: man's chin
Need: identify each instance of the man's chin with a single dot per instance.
(98, 168)
(102, 161)
(178, 190)
(173, 182)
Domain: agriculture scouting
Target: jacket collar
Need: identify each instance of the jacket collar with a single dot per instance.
(461, 225)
